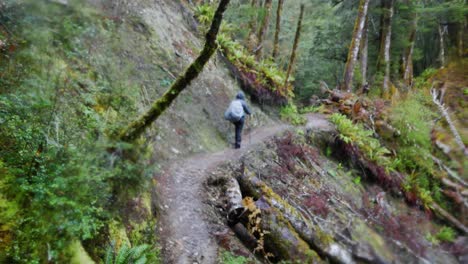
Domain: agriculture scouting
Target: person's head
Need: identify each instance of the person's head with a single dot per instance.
(240, 96)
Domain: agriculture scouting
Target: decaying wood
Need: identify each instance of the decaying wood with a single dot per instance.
(444, 111)
(234, 201)
(318, 240)
(447, 216)
(137, 127)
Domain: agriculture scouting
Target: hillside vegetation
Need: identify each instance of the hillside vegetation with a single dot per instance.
(355, 152)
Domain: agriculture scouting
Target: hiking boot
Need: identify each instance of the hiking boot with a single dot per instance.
(237, 146)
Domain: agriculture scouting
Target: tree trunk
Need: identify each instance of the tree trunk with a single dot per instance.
(364, 53)
(137, 127)
(408, 59)
(460, 34)
(278, 29)
(251, 37)
(386, 42)
(355, 43)
(263, 29)
(295, 45)
(444, 111)
(442, 30)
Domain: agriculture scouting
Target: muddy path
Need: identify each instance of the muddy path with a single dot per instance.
(185, 232)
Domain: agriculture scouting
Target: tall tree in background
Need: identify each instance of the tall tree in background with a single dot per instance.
(364, 52)
(137, 127)
(442, 28)
(295, 45)
(263, 28)
(252, 36)
(355, 43)
(277, 29)
(385, 42)
(408, 55)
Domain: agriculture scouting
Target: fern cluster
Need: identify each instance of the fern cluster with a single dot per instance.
(362, 138)
(141, 254)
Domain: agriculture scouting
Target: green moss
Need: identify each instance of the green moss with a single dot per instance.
(78, 254)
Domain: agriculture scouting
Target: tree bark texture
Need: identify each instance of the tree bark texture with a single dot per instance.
(277, 29)
(355, 43)
(364, 58)
(251, 37)
(137, 127)
(263, 28)
(322, 243)
(460, 33)
(297, 38)
(442, 29)
(443, 110)
(386, 40)
(408, 60)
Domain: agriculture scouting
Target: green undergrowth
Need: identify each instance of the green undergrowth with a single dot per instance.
(290, 114)
(228, 258)
(362, 138)
(138, 254)
(63, 177)
(264, 73)
(410, 152)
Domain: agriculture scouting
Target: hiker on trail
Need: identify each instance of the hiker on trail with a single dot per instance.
(236, 114)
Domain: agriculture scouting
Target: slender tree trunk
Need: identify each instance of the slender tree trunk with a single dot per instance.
(460, 30)
(137, 127)
(385, 42)
(364, 52)
(278, 29)
(408, 59)
(295, 45)
(355, 43)
(263, 28)
(442, 30)
(251, 37)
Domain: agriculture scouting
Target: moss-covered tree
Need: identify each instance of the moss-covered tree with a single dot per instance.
(137, 127)
(385, 42)
(262, 31)
(295, 45)
(277, 29)
(355, 43)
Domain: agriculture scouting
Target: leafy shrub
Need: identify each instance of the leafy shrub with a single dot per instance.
(62, 177)
(446, 234)
(289, 113)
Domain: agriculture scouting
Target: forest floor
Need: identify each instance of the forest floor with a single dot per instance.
(185, 230)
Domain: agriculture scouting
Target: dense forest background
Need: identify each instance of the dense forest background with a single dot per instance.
(76, 76)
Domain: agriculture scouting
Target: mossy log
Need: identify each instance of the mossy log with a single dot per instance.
(281, 239)
(137, 127)
(279, 210)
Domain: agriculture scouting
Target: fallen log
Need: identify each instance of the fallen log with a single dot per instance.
(318, 240)
(234, 205)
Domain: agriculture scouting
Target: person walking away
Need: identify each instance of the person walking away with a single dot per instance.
(236, 115)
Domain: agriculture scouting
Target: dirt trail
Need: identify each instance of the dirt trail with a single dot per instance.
(185, 233)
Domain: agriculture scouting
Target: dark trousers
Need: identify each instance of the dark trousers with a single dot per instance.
(239, 126)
